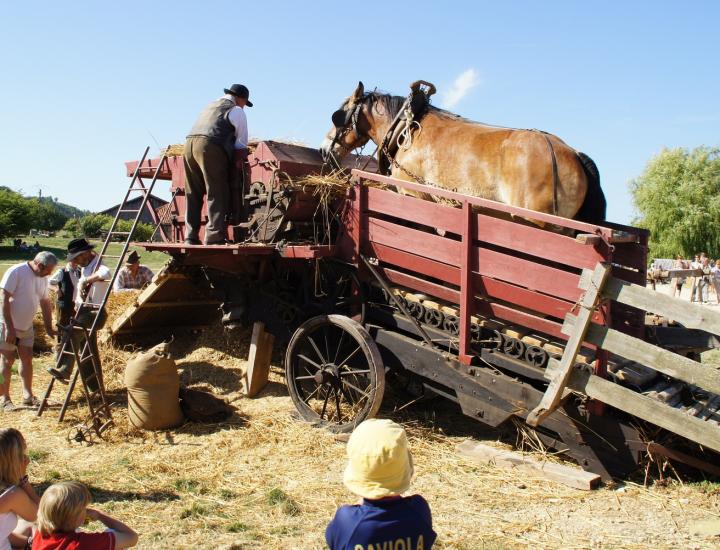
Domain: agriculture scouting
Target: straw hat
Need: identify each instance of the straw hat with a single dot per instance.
(379, 462)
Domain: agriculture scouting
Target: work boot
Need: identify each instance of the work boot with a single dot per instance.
(59, 375)
(191, 241)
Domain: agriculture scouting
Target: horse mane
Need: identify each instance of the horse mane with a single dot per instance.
(393, 104)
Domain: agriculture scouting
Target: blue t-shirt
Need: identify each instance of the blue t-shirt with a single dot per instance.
(401, 523)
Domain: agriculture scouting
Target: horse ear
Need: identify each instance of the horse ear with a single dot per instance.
(359, 92)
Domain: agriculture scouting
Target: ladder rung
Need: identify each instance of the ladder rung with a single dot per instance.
(91, 304)
(118, 233)
(133, 211)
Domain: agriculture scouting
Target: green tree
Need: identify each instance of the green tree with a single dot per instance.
(143, 231)
(45, 215)
(92, 225)
(15, 215)
(72, 227)
(678, 199)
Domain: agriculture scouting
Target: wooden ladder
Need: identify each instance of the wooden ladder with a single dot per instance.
(100, 417)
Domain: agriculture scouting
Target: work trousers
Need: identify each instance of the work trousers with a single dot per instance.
(207, 171)
(85, 318)
(701, 290)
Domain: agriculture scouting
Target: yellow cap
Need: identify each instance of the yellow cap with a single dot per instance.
(379, 462)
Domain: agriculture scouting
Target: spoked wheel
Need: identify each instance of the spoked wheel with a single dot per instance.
(334, 372)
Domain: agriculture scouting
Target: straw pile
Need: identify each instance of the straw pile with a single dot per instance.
(173, 150)
(263, 479)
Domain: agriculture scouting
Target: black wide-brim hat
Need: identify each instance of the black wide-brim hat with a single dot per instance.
(77, 247)
(133, 258)
(240, 91)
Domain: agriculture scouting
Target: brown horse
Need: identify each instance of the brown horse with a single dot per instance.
(525, 168)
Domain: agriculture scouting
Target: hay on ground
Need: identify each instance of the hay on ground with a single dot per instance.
(263, 479)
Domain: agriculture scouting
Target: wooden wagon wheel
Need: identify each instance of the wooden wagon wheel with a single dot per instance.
(334, 372)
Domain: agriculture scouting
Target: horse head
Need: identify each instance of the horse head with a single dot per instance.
(350, 129)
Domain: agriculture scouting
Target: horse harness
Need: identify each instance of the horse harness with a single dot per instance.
(553, 160)
(400, 132)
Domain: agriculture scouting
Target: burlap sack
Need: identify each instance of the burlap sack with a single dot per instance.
(153, 386)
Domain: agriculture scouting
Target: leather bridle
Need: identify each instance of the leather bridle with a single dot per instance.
(344, 122)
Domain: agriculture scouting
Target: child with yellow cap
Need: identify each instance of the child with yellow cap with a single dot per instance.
(379, 470)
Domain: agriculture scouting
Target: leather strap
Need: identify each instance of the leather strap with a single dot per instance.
(556, 181)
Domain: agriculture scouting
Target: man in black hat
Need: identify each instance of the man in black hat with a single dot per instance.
(133, 276)
(209, 159)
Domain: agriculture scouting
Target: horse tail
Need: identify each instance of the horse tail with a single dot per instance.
(594, 207)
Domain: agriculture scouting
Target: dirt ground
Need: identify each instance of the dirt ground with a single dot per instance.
(265, 480)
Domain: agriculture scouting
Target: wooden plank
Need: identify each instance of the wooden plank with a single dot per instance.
(517, 317)
(467, 291)
(649, 409)
(649, 355)
(488, 309)
(685, 313)
(529, 274)
(160, 279)
(588, 239)
(572, 477)
(493, 288)
(445, 218)
(258, 368)
(421, 285)
(532, 240)
(411, 240)
(553, 394)
(406, 260)
(484, 203)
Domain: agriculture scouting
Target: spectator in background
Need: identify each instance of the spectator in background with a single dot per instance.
(678, 282)
(379, 470)
(23, 288)
(703, 281)
(133, 275)
(695, 264)
(715, 278)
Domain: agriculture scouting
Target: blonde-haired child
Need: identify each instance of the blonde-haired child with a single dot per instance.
(63, 509)
(17, 497)
(379, 470)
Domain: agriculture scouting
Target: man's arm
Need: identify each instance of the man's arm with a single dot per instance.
(238, 119)
(46, 308)
(7, 317)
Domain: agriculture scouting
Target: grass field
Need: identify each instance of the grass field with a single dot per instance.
(58, 246)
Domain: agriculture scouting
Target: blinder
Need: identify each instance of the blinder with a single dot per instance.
(341, 119)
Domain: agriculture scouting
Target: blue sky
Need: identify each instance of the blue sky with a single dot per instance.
(85, 86)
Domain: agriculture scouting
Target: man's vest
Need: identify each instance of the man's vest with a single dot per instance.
(65, 302)
(213, 124)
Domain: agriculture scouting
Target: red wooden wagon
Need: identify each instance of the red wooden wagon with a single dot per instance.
(459, 297)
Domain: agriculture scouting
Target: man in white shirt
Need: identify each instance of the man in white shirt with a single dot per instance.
(24, 288)
(90, 290)
(209, 158)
